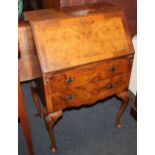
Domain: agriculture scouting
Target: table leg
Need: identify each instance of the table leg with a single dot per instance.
(36, 99)
(125, 100)
(24, 120)
(50, 120)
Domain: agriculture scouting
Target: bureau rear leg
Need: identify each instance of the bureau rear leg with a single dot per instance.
(36, 99)
(50, 120)
(125, 100)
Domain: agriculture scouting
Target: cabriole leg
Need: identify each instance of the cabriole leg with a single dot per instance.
(50, 120)
(125, 100)
(36, 99)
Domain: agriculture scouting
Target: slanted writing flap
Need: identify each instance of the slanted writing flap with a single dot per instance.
(69, 42)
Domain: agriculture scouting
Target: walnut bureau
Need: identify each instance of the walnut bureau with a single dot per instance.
(85, 55)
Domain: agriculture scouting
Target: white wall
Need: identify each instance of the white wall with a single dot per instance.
(133, 79)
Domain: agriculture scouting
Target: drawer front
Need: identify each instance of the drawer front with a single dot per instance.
(90, 73)
(90, 93)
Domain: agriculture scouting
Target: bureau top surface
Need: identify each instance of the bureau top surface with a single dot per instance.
(68, 38)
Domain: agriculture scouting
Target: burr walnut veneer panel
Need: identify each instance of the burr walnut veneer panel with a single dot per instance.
(102, 36)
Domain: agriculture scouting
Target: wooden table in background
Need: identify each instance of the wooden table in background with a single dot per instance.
(28, 63)
(24, 119)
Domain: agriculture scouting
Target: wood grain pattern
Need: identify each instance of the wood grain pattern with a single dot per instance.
(25, 40)
(89, 93)
(102, 36)
(28, 64)
(29, 68)
(89, 73)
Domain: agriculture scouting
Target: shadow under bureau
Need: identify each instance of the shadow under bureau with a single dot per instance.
(85, 54)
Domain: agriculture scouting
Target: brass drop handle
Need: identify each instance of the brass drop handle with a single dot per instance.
(71, 96)
(130, 60)
(111, 86)
(113, 69)
(70, 80)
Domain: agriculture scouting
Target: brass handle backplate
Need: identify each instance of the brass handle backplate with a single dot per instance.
(70, 80)
(113, 69)
(71, 96)
(111, 86)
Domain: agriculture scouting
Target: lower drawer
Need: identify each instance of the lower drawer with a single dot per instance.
(90, 93)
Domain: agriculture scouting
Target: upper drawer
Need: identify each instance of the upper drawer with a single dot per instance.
(90, 73)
